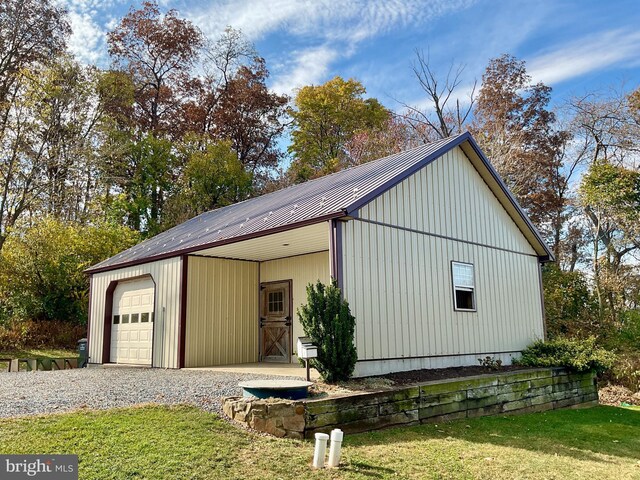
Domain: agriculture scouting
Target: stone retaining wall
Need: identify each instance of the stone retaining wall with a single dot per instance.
(500, 393)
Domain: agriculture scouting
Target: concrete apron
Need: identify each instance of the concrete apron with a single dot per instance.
(262, 368)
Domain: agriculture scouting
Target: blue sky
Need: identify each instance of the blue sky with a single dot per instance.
(573, 46)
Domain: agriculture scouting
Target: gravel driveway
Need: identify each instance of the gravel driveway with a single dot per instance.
(29, 393)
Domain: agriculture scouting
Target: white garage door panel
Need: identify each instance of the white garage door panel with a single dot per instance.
(132, 322)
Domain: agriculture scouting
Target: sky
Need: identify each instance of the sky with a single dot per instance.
(573, 46)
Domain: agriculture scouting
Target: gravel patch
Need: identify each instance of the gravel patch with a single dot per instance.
(32, 393)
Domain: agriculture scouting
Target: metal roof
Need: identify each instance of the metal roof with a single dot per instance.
(335, 195)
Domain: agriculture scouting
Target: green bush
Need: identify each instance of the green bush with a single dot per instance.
(327, 320)
(577, 355)
(571, 309)
(42, 269)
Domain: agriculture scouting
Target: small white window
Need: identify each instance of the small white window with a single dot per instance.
(464, 288)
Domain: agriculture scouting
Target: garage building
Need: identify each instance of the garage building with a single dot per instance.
(437, 260)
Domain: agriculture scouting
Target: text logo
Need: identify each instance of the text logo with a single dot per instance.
(49, 467)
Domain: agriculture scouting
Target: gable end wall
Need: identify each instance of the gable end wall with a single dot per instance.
(397, 270)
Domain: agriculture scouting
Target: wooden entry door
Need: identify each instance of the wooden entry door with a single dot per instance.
(275, 322)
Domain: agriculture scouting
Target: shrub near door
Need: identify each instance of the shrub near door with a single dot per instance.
(327, 321)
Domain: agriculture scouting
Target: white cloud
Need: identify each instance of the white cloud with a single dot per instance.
(589, 54)
(88, 39)
(352, 20)
(338, 26)
(308, 67)
(89, 25)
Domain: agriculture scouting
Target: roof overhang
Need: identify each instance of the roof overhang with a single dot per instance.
(483, 166)
(291, 243)
(506, 198)
(256, 240)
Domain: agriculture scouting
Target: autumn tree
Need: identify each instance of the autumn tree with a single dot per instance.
(221, 61)
(231, 101)
(393, 136)
(603, 128)
(67, 107)
(250, 116)
(516, 129)
(32, 32)
(325, 118)
(158, 52)
(610, 196)
(49, 257)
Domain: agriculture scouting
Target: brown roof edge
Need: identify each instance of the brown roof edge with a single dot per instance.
(454, 142)
(226, 241)
(549, 257)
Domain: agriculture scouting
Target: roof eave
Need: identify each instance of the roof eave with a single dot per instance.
(455, 142)
(548, 257)
(226, 241)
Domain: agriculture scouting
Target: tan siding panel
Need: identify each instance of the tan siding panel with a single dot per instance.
(302, 270)
(403, 302)
(166, 275)
(455, 202)
(222, 312)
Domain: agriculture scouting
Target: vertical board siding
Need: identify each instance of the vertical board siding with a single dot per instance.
(448, 197)
(404, 307)
(222, 312)
(166, 276)
(398, 282)
(302, 270)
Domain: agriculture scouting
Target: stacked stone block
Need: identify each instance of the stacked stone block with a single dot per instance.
(439, 401)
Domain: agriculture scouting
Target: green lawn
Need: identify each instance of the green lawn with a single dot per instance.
(34, 353)
(184, 442)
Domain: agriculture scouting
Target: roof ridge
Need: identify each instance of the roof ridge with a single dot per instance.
(301, 204)
(331, 175)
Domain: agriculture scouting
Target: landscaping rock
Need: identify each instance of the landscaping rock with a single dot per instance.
(507, 393)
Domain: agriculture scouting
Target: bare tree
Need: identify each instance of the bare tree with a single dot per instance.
(449, 107)
(604, 127)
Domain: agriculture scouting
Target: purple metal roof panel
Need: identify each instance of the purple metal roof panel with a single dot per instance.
(330, 196)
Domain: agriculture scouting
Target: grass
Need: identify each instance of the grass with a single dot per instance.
(35, 353)
(184, 442)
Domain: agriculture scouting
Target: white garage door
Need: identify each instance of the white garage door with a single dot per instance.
(132, 322)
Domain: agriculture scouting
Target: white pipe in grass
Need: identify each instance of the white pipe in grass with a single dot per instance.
(336, 448)
(320, 450)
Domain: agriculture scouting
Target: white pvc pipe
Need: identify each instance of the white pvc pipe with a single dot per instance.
(320, 450)
(336, 448)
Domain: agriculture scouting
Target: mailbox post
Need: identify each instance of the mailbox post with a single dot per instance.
(307, 350)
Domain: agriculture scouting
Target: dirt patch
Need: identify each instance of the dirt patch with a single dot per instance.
(616, 395)
(360, 385)
(393, 380)
(427, 375)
